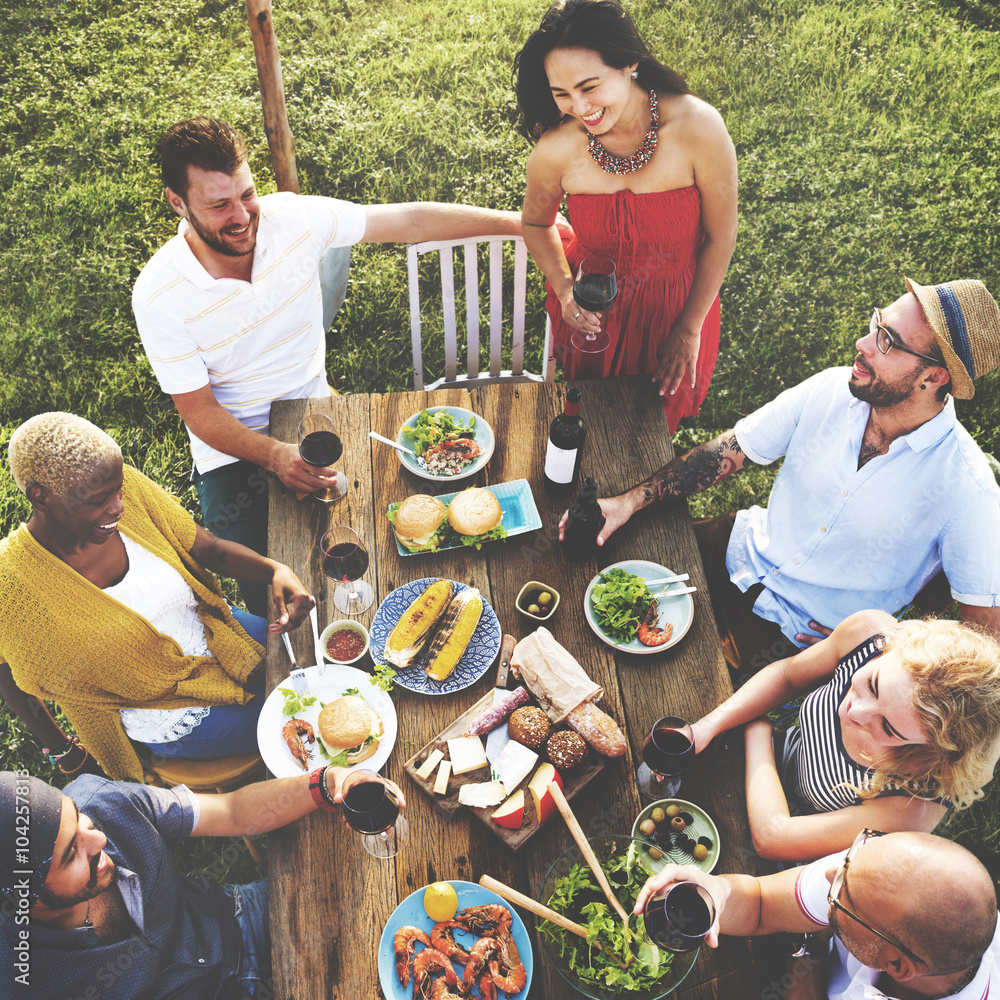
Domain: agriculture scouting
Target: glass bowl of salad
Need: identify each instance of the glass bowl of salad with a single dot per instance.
(445, 442)
(570, 888)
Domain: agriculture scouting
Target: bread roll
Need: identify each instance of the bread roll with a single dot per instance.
(598, 729)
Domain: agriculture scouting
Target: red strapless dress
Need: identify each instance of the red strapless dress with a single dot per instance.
(654, 240)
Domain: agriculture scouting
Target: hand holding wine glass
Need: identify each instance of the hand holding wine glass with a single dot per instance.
(595, 290)
(320, 446)
(667, 752)
(345, 559)
(371, 806)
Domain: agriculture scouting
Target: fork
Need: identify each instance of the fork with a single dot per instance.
(296, 674)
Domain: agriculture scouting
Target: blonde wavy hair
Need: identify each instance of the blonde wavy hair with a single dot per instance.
(955, 669)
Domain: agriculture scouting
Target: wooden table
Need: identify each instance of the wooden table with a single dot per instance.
(329, 899)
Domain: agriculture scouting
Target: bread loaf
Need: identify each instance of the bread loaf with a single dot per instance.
(598, 729)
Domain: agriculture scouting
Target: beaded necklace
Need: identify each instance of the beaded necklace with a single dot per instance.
(612, 164)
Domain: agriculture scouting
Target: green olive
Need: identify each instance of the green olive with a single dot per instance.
(544, 598)
(700, 852)
(677, 824)
(657, 815)
(673, 811)
(647, 827)
(655, 853)
(534, 609)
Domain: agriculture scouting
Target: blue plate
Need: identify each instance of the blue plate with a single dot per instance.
(411, 913)
(482, 433)
(519, 513)
(475, 661)
(677, 611)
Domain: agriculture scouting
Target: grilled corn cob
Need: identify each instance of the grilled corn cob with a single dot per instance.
(454, 635)
(414, 629)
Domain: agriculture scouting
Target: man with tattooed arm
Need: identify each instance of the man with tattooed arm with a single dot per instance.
(880, 488)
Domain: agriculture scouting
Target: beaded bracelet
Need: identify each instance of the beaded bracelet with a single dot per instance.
(320, 793)
(56, 759)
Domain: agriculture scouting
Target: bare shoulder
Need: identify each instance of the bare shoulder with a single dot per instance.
(860, 626)
(557, 143)
(696, 120)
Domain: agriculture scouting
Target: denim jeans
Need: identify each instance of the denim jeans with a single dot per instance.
(253, 917)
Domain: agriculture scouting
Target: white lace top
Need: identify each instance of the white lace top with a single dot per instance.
(154, 589)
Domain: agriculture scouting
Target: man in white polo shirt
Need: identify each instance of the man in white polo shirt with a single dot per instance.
(231, 316)
(914, 917)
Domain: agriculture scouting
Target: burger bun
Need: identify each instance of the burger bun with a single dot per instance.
(417, 519)
(345, 724)
(474, 512)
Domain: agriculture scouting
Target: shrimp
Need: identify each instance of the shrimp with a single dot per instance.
(478, 957)
(649, 634)
(441, 991)
(443, 938)
(293, 731)
(506, 968)
(429, 963)
(403, 944)
(485, 919)
(486, 988)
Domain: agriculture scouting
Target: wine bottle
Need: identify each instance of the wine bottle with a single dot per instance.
(565, 446)
(584, 525)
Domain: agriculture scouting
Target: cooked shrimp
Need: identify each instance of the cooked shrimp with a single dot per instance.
(429, 963)
(649, 634)
(293, 731)
(443, 938)
(403, 944)
(481, 952)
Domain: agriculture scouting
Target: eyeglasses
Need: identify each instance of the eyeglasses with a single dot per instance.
(838, 883)
(886, 340)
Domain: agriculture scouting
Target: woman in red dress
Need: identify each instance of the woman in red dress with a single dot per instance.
(649, 172)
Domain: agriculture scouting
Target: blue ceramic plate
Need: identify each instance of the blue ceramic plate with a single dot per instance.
(519, 513)
(482, 433)
(475, 661)
(411, 913)
(677, 611)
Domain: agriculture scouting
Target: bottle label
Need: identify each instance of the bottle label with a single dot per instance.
(560, 463)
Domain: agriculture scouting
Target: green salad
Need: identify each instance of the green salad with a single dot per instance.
(433, 428)
(619, 601)
(603, 966)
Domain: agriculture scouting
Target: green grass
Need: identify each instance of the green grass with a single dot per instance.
(868, 135)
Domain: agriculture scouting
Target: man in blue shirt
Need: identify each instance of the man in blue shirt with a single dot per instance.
(881, 487)
(94, 907)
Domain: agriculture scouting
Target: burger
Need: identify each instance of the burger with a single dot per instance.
(475, 516)
(419, 522)
(349, 724)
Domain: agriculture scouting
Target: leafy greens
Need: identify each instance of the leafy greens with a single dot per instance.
(619, 602)
(433, 428)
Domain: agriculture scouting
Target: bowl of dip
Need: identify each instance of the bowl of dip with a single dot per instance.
(344, 641)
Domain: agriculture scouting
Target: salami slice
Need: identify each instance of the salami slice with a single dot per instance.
(497, 713)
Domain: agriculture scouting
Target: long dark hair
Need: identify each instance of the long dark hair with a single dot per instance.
(599, 25)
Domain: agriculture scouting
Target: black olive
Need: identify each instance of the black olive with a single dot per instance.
(685, 843)
(705, 842)
(687, 817)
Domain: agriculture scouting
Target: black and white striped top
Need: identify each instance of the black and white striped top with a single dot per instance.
(814, 763)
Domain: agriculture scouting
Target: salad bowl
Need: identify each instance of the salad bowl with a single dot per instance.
(418, 433)
(615, 851)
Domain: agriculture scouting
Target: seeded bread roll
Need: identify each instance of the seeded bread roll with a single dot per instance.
(566, 750)
(598, 729)
(530, 726)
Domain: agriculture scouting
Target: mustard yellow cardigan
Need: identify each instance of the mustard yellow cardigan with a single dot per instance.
(67, 640)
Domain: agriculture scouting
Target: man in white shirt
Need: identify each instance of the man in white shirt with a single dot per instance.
(231, 316)
(914, 917)
(881, 487)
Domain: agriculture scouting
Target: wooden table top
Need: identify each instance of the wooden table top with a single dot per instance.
(329, 898)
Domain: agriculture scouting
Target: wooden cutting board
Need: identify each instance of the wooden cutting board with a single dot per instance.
(574, 781)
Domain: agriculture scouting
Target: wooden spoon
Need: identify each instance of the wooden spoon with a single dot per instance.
(541, 910)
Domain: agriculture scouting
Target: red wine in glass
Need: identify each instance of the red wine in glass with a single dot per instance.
(595, 289)
(320, 446)
(345, 559)
(678, 918)
(371, 808)
(667, 752)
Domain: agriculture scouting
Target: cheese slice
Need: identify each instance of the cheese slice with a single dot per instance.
(486, 793)
(427, 768)
(441, 784)
(513, 764)
(467, 753)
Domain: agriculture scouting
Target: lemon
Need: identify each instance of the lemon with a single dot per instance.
(440, 901)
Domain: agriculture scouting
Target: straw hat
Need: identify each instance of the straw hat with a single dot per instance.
(966, 322)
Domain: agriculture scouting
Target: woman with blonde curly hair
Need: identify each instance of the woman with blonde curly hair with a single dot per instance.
(108, 606)
(900, 722)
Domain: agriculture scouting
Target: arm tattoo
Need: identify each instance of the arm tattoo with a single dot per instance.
(696, 470)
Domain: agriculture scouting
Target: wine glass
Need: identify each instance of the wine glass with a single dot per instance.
(667, 752)
(346, 559)
(595, 289)
(679, 917)
(320, 446)
(371, 808)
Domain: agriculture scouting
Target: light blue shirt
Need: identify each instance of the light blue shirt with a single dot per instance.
(835, 539)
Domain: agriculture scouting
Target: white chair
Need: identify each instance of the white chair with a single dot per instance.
(473, 377)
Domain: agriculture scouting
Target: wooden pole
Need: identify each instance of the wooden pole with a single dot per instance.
(272, 95)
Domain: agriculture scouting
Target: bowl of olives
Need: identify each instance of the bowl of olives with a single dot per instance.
(677, 832)
(537, 600)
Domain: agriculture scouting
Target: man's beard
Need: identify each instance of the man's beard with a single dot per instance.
(878, 391)
(867, 954)
(213, 239)
(56, 902)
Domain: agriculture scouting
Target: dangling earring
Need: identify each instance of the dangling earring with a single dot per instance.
(635, 74)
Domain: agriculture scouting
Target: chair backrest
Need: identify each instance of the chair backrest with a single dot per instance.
(473, 377)
(334, 266)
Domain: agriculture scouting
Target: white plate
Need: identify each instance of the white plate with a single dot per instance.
(334, 682)
(482, 433)
(677, 611)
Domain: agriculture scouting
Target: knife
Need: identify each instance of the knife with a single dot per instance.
(497, 738)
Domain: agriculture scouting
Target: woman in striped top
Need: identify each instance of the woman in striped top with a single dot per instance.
(901, 721)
